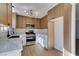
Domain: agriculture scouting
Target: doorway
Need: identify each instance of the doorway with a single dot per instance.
(56, 33)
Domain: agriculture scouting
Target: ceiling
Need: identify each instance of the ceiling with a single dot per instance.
(39, 10)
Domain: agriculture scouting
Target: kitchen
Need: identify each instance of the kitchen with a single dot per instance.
(25, 23)
(28, 26)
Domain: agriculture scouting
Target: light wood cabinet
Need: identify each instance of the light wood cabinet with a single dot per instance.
(24, 21)
(37, 23)
(65, 11)
(29, 20)
(53, 13)
(44, 22)
(21, 22)
(5, 13)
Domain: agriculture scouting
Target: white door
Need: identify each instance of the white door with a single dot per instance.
(58, 33)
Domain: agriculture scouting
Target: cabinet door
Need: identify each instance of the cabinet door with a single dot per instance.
(19, 22)
(0, 15)
(3, 13)
(44, 22)
(45, 41)
(24, 22)
(37, 24)
(29, 20)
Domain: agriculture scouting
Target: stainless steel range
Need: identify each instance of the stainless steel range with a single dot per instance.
(30, 37)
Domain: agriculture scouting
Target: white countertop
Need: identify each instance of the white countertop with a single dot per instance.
(7, 45)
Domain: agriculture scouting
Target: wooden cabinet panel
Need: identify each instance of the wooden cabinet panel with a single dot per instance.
(65, 11)
(24, 22)
(21, 21)
(5, 13)
(57, 11)
(44, 22)
(29, 20)
(37, 23)
(0, 14)
(53, 13)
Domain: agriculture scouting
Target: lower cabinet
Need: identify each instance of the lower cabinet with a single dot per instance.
(23, 38)
(45, 41)
(41, 39)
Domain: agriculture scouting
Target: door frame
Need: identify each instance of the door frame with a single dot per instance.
(52, 38)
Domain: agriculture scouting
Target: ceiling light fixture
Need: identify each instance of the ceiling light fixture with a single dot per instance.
(13, 9)
(29, 13)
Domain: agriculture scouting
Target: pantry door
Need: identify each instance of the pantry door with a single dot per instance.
(56, 33)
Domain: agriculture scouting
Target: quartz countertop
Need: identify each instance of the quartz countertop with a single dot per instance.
(9, 45)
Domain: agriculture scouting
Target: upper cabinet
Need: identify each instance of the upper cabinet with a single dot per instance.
(57, 11)
(21, 22)
(44, 22)
(5, 13)
(37, 23)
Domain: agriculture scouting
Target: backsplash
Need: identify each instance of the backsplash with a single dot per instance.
(22, 31)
